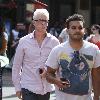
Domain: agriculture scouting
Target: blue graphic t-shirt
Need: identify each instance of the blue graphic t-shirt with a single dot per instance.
(74, 66)
(75, 69)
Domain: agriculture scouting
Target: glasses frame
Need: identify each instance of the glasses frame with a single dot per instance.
(41, 20)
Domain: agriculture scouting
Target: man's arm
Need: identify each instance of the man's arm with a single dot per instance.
(96, 82)
(51, 78)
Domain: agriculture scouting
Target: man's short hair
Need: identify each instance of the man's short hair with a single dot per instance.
(41, 12)
(74, 17)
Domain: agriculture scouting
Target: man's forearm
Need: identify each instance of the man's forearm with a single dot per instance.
(51, 78)
(96, 83)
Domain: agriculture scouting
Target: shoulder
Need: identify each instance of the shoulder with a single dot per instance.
(90, 45)
(25, 38)
(60, 47)
(90, 37)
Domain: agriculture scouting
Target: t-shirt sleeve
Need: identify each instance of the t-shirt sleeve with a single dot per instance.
(52, 60)
(97, 59)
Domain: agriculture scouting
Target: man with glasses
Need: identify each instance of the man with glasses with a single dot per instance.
(69, 64)
(28, 72)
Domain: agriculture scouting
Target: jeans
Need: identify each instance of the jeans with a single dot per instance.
(28, 95)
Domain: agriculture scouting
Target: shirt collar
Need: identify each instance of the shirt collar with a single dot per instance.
(32, 35)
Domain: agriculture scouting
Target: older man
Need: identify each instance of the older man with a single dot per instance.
(28, 72)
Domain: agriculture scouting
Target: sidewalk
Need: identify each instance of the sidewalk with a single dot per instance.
(7, 87)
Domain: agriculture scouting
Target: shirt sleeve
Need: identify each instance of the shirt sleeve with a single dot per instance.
(97, 59)
(17, 64)
(6, 36)
(52, 60)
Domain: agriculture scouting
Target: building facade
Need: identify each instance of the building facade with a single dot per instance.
(16, 10)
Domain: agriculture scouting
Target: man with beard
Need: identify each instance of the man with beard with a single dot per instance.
(69, 64)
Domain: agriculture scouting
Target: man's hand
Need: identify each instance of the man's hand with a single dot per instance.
(62, 84)
(19, 94)
(42, 72)
(51, 78)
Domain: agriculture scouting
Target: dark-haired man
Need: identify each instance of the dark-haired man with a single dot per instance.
(69, 64)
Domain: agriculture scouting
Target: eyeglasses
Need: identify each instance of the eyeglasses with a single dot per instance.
(41, 20)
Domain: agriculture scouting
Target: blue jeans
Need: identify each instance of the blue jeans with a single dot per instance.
(28, 95)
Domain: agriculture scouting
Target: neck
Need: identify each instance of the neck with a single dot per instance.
(77, 45)
(39, 35)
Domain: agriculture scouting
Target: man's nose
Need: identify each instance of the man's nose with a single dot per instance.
(77, 29)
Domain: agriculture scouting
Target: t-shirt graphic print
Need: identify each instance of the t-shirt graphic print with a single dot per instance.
(75, 69)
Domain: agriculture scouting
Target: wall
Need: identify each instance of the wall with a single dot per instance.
(86, 11)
